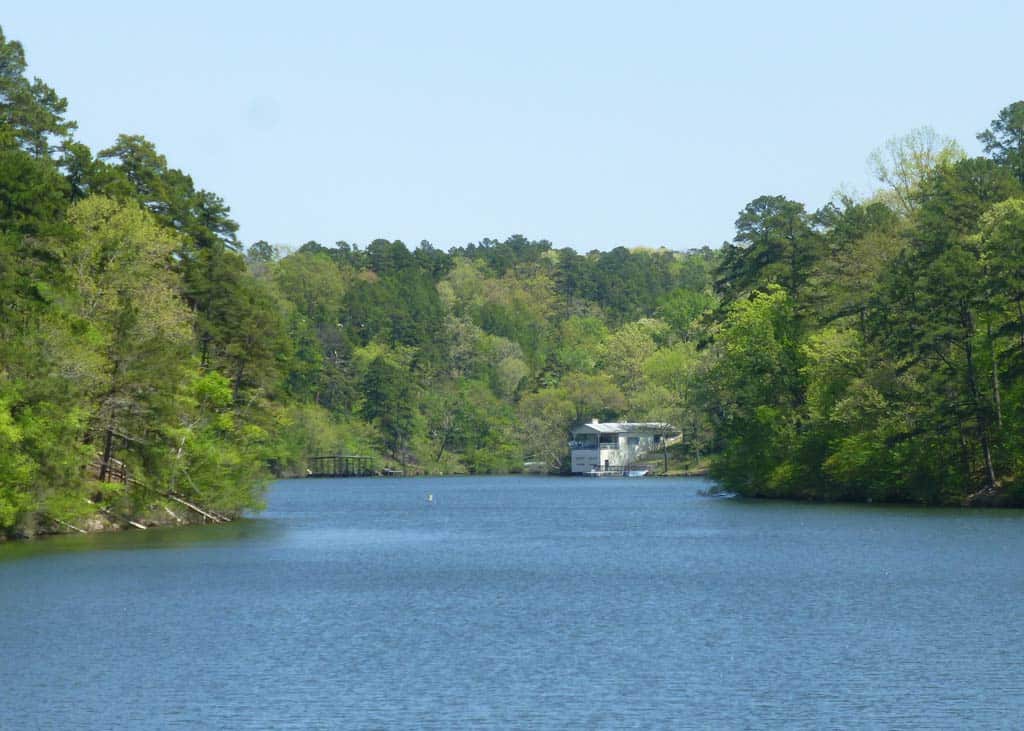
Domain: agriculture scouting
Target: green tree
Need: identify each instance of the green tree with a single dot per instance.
(903, 162)
(31, 113)
(861, 244)
(754, 391)
(32, 234)
(624, 352)
(936, 300)
(579, 343)
(389, 402)
(1004, 139)
(593, 397)
(314, 284)
(775, 243)
(679, 371)
(682, 308)
(544, 420)
(1002, 247)
(127, 291)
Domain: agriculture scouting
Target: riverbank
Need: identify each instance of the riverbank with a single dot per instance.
(170, 512)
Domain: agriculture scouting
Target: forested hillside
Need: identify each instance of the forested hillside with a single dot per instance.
(871, 349)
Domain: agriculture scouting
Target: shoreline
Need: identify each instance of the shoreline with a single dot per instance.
(190, 515)
(105, 521)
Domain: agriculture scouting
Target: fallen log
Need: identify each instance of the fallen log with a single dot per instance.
(206, 514)
(114, 516)
(66, 524)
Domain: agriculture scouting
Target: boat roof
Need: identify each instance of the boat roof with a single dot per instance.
(623, 427)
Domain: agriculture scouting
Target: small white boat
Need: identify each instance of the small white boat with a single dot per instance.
(636, 471)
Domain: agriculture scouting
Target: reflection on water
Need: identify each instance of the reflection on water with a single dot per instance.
(182, 537)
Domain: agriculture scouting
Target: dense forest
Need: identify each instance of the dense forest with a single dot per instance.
(872, 349)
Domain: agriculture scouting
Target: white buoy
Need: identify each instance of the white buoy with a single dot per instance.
(430, 498)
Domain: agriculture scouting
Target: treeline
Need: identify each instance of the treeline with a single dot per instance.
(871, 349)
(874, 350)
(133, 341)
(482, 358)
(144, 352)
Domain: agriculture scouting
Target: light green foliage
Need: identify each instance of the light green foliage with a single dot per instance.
(624, 352)
(579, 343)
(903, 162)
(682, 308)
(832, 359)
(509, 374)
(544, 420)
(121, 262)
(469, 420)
(517, 308)
(1002, 249)
(863, 350)
(314, 284)
(15, 469)
(757, 351)
(754, 388)
(210, 454)
(678, 373)
(673, 368)
(859, 456)
(593, 396)
(464, 339)
(126, 292)
(304, 430)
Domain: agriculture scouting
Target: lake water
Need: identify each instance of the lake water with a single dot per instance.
(521, 602)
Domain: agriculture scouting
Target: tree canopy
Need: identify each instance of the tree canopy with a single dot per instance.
(864, 350)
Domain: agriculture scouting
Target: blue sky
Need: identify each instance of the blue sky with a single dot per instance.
(590, 124)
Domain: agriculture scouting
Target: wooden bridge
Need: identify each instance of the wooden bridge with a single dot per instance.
(341, 465)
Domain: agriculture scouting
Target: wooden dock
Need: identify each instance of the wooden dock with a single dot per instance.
(341, 465)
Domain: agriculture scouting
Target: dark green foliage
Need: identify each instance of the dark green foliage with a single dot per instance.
(123, 302)
(907, 365)
(1004, 139)
(261, 252)
(502, 257)
(775, 243)
(31, 113)
(866, 351)
(396, 302)
(389, 403)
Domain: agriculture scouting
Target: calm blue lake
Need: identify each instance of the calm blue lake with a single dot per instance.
(522, 602)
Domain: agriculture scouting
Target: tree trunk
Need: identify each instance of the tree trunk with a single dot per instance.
(236, 386)
(997, 400)
(108, 449)
(1020, 320)
(965, 450)
(979, 410)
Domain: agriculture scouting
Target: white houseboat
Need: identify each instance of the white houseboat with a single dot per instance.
(618, 449)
